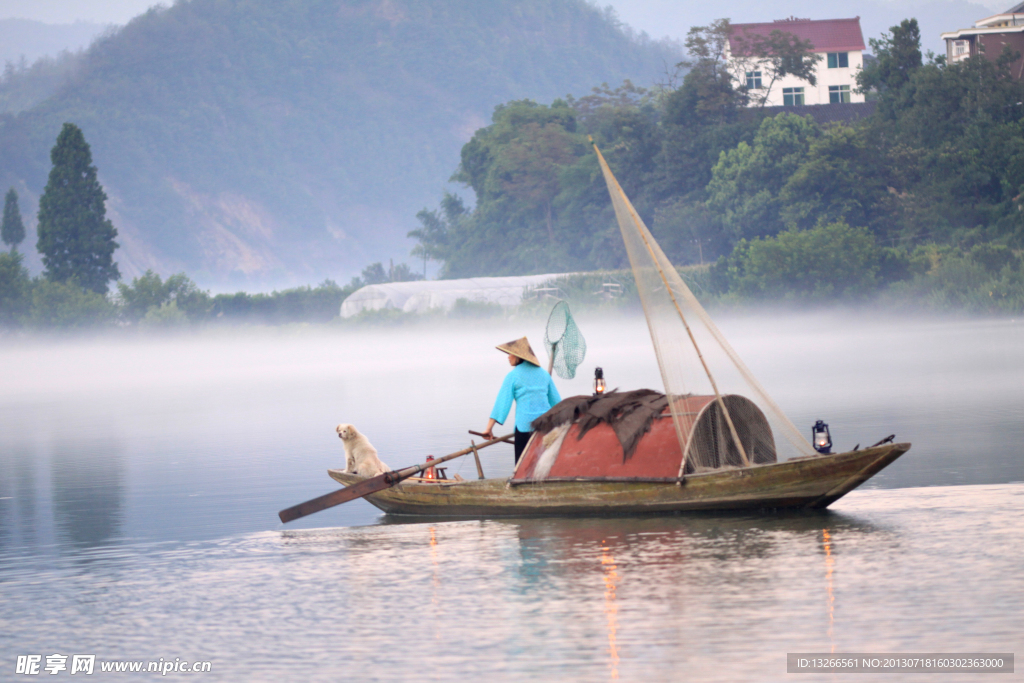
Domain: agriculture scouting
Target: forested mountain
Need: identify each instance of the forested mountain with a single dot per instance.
(272, 142)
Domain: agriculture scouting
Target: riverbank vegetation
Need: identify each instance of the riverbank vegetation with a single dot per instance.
(152, 302)
(922, 202)
(757, 275)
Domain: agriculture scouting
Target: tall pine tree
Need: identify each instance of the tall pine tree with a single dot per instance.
(76, 239)
(12, 230)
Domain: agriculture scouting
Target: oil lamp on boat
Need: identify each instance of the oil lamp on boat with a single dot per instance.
(821, 438)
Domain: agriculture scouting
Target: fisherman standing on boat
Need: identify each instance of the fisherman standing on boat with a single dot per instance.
(530, 386)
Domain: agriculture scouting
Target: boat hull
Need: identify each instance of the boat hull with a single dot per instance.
(812, 482)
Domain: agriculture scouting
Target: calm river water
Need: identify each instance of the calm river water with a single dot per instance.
(140, 480)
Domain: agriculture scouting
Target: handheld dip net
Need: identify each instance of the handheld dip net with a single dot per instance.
(723, 417)
(564, 342)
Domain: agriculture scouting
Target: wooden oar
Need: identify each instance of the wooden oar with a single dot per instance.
(373, 484)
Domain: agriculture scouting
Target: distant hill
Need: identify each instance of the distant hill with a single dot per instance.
(261, 143)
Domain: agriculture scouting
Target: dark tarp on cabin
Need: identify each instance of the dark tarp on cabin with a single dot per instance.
(628, 413)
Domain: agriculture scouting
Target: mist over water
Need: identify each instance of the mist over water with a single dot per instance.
(137, 466)
(190, 437)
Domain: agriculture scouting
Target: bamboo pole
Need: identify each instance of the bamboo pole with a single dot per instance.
(476, 456)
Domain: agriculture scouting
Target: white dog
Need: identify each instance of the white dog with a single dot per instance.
(360, 455)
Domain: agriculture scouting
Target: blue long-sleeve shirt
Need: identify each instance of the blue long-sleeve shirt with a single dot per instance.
(533, 391)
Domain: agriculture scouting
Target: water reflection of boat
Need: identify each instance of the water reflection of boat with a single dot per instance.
(708, 443)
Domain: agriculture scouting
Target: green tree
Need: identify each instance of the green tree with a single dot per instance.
(403, 273)
(689, 233)
(150, 292)
(66, 305)
(514, 165)
(842, 179)
(528, 168)
(624, 122)
(12, 231)
(517, 167)
(988, 278)
(301, 304)
(440, 229)
(15, 289)
(702, 117)
(707, 91)
(747, 180)
(479, 156)
(374, 274)
(76, 239)
(833, 261)
(377, 274)
(952, 139)
(897, 56)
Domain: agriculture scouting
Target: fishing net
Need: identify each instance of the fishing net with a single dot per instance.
(696, 360)
(564, 342)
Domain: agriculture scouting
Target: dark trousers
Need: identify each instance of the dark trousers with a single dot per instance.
(521, 439)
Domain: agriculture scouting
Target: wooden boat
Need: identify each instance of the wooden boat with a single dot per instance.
(606, 455)
(812, 482)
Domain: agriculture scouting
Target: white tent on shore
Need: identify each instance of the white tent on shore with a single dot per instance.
(423, 295)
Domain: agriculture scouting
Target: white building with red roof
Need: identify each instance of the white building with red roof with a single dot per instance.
(840, 43)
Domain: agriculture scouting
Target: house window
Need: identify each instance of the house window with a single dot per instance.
(961, 48)
(753, 80)
(792, 97)
(838, 93)
(838, 60)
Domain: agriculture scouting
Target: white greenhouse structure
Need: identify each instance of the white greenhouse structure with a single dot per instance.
(424, 295)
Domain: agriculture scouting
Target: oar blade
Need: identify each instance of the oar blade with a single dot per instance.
(372, 485)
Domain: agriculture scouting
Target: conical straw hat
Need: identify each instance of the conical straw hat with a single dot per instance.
(520, 348)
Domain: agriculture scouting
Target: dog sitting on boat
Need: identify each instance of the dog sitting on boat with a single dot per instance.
(360, 455)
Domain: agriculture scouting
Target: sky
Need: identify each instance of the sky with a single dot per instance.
(70, 11)
(673, 18)
(658, 18)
